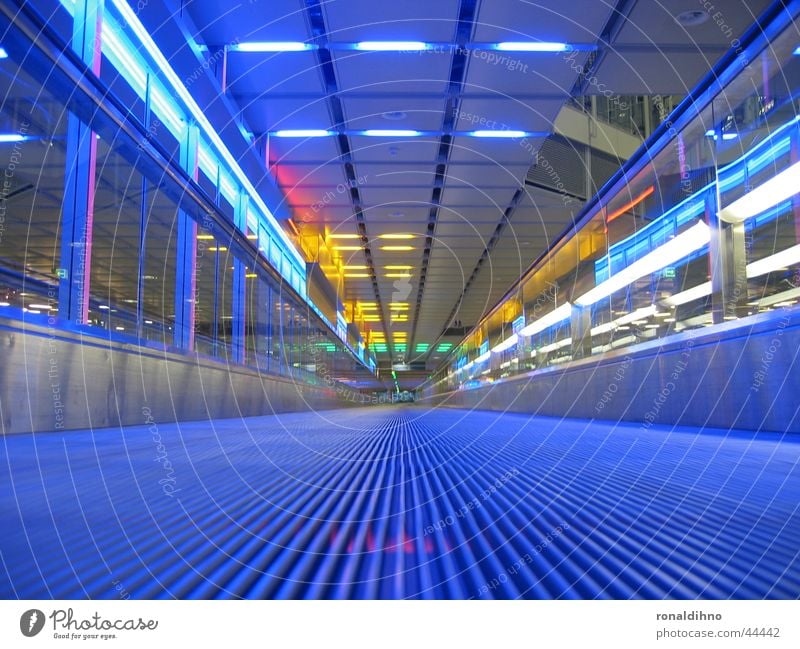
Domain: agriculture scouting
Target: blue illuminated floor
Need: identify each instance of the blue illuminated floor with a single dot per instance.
(398, 502)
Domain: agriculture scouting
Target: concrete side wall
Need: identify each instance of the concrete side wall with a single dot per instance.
(743, 374)
(52, 382)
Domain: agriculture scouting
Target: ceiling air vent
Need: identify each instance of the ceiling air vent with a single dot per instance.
(560, 168)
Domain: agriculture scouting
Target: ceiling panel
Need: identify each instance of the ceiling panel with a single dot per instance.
(388, 227)
(493, 174)
(384, 258)
(471, 215)
(327, 179)
(394, 174)
(278, 20)
(545, 20)
(516, 73)
(417, 20)
(392, 72)
(651, 23)
(457, 246)
(251, 73)
(459, 194)
(652, 73)
(327, 214)
(507, 113)
(478, 231)
(264, 115)
(297, 151)
(495, 150)
(398, 111)
(397, 216)
(373, 196)
(444, 258)
(378, 149)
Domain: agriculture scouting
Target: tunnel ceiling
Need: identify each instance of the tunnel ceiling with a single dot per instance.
(477, 226)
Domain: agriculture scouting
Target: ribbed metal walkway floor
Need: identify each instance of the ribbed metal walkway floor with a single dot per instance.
(393, 502)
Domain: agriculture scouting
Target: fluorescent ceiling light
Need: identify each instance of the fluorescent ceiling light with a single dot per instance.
(397, 248)
(768, 194)
(689, 295)
(12, 137)
(506, 344)
(674, 250)
(532, 47)
(309, 132)
(778, 261)
(400, 267)
(725, 136)
(604, 328)
(398, 304)
(551, 348)
(554, 317)
(505, 134)
(396, 236)
(388, 132)
(639, 314)
(392, 46)
(274, 46)
(776, 300)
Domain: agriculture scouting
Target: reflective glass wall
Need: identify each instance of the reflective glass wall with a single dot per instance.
(111, 224)
(702, 228)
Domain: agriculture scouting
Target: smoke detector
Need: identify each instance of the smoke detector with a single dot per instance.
(692, 18)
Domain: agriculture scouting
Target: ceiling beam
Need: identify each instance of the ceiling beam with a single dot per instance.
(614, 24)
(316, 19)
(458, 71)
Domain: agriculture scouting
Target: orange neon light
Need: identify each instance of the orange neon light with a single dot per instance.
(631, 204)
